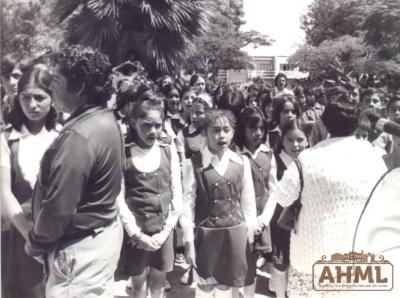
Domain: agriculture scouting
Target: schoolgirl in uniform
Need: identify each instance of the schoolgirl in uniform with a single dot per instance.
(192, 138)
(250, 139)
(153, 193)
(219, 211)
(293, 141)
(173, 119)
(32, 120)
(188, 96)
(285, 109)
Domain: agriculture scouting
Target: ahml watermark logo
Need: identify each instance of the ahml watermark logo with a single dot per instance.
(353, 271)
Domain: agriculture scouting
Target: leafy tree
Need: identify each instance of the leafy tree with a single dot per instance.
(329, 19)
(25, 29)
(157, 32)
(220, 47)
(355, 38)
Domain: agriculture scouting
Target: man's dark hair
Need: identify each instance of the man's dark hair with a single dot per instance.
(340, 118)
(86, 65)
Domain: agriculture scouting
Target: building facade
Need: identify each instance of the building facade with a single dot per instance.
(264, 67)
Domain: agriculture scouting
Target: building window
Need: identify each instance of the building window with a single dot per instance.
(286, 67)
(266, 66)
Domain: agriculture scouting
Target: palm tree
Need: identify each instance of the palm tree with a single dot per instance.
(159, 33)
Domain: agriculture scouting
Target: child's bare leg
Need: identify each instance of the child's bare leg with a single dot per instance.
(157, 283)
(139, 283)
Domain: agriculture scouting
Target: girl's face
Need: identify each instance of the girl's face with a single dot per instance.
(200, 85)
(166, 81)
(197, 115)
(294, 142)
(254, 135)
(281, 83)
(35, 103)
(301, 99)
(371, 101)
(149, 127)
(394, 111)
(14, 77)
(310, 100)
(187, 100)
(173, 102)
(219, 135)
(268, 110)
(287, 114)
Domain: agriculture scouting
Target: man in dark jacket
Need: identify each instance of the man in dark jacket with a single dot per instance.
(76, 231)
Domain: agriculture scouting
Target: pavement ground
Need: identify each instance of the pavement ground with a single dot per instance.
(180, 291)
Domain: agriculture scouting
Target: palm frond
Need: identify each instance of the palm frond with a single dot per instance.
(86, 29)
(161, 32)
(61, 9)
(104, 8)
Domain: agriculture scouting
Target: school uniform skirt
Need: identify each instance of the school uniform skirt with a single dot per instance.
(137, 260)
(25, 276)
(225, 256)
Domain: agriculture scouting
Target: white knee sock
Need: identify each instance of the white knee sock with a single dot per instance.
(223, 293)
(199, 293)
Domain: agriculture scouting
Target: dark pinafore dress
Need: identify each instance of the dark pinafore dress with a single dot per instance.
(280, 237)
(222, 248)
(148, 196)
(260, 168)
(24, 275)
(192, 145)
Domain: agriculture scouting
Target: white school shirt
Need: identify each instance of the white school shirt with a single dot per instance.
(30, 151)
(286, 158)
(148, 160)
(247, 196)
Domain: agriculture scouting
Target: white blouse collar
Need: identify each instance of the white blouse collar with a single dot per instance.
(286, 158)
(261, 148)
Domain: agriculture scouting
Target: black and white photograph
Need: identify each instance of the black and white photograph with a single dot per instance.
(200, 148)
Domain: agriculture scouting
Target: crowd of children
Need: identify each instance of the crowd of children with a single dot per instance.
(206, 163)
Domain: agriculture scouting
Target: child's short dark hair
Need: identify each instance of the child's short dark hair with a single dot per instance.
(233, 101)
(149, 101)
(212, 115)
(167, 89)
(249, 117)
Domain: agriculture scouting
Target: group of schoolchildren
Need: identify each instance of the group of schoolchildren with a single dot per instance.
(207, 164)
(229, 151)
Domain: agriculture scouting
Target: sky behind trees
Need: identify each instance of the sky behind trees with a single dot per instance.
(279, 19)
